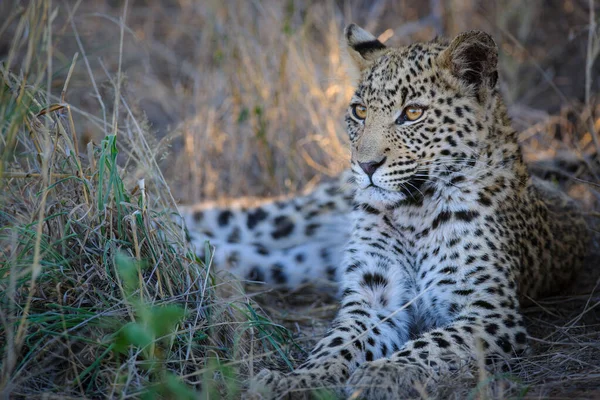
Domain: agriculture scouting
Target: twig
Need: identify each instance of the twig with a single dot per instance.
(115, 121)
(27, 175)
(36, 267)
(85, 59)
(592, 53)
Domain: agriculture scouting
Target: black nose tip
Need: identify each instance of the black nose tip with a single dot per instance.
(371, 166)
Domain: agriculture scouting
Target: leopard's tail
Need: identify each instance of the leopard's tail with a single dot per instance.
(286, 242)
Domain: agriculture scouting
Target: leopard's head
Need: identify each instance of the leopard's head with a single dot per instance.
(419, 112)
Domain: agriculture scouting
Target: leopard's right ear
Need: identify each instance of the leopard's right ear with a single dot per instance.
(362, 48)
(472, 57)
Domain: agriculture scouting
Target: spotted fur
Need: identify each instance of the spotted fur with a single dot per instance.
(281, 242)
(449, 236)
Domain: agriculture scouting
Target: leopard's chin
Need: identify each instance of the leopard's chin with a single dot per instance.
(405, 193)
(379, 197)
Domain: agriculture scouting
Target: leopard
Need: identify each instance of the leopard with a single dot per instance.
(436, 236)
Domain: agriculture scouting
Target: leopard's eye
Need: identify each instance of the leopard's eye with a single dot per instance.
(410, 114)
(359, 111)
(413, 113)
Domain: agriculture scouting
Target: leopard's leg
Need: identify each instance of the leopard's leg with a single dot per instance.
(469, 304)
(420, 363)
(373, 320)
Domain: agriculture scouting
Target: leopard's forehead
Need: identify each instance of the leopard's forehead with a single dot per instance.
(400, 73)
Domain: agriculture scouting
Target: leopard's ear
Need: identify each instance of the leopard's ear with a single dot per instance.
(472, 57)
(361, 47)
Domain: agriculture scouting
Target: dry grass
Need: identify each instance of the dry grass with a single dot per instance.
(112, 112)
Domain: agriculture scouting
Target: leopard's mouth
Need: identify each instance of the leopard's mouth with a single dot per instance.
(410, 187)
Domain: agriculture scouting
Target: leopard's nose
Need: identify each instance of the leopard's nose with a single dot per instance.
(371, 166)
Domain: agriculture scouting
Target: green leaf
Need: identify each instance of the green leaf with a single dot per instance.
(176, 389)
(163, 320)
(127, 269)
(133, 334)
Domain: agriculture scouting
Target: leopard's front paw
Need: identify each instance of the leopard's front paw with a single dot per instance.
(299, 384)
(264, 384)
(385, 379)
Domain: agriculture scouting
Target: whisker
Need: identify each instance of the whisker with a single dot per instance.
(408, 191)
(428, 178)
(415, 188)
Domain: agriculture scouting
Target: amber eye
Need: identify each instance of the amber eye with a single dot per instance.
(413, 113)
(410, 113)
(359, 111)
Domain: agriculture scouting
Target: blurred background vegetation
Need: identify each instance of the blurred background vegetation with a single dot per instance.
(114, 111)
(247, 97)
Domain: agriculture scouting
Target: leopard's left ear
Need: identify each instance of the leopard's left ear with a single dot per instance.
(362, 48)
(472, 57)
